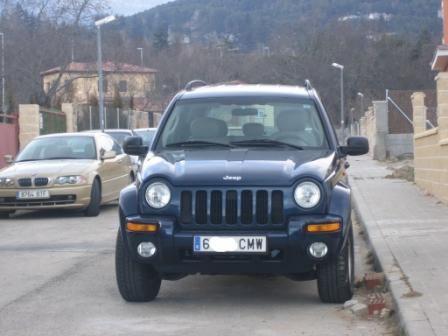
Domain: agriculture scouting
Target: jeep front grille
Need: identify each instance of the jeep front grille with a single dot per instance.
(231, 207)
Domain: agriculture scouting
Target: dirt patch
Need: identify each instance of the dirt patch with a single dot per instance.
(402, 170)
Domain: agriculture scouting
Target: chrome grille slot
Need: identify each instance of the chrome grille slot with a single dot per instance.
(231, 208)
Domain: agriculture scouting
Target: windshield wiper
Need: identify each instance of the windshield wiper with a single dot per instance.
(265, 143)
(198, 143)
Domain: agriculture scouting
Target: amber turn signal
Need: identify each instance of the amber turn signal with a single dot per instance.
(137, 227)
(321, 228)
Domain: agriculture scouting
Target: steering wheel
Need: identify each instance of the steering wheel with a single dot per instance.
(293, 136)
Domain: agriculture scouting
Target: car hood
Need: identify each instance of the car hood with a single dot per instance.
(249, 167)
(48, 168)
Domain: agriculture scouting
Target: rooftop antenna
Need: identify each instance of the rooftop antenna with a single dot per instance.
(194, 83)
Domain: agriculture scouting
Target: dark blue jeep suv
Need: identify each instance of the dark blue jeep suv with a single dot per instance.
(240, 179)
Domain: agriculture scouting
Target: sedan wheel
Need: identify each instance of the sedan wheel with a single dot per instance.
(93, 209)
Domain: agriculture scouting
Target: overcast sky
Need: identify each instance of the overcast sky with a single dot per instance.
(133, 6)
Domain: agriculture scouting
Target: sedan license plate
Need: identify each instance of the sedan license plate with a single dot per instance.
(234, 244)
(33, 194)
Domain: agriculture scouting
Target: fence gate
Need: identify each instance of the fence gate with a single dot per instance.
(9, 141)
(51, 121)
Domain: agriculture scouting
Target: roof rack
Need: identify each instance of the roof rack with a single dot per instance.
(194, 83)
(308, 85)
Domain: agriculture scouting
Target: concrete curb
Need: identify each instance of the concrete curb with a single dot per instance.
(412, 318)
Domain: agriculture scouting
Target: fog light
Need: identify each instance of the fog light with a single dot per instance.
(318, 250)
(146, 249)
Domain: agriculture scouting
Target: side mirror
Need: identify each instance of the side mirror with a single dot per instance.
(108, 155)
(356, 146)
(8, 159)
(133, 145)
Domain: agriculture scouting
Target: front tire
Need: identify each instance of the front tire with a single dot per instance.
(136, 282)
(335, 279)
(94, 207)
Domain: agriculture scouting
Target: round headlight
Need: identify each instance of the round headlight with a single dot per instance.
(158, 195)
(307, 195)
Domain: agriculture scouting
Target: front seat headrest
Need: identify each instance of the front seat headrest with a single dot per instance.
(205, 128)
(253, 130)
(292, 120)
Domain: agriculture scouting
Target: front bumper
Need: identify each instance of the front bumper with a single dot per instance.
(287, 248)
(72, 197)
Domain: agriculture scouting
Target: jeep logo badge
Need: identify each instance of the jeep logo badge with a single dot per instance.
(232, 178)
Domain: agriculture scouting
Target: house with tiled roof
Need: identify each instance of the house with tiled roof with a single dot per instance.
(78, 82)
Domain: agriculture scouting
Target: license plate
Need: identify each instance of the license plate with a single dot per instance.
(234, 244)
(33, 194)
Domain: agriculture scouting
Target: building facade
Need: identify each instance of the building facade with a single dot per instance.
(78, 82)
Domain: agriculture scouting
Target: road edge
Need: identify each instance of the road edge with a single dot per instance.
(411, 316)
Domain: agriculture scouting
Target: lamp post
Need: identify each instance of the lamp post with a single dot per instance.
(341, 68)
(98, 25)
(141, 55)
(361, 95)
(3, 75)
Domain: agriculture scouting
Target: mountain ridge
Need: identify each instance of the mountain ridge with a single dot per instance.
(248, 23)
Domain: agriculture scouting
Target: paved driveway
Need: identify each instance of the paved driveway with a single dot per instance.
(57, 278)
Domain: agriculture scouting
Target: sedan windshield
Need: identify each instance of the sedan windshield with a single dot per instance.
(249, 122)
(146, 135)
(59, 148)
(119, 136)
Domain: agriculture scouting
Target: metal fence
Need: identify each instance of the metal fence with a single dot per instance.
(88, 118)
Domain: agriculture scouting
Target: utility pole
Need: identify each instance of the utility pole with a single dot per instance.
(141, 56)
(3, 76)
(341, 68)
(98, 25)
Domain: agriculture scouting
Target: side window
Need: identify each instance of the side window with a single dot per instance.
(106, 144)
(123, 86)
(117, 148)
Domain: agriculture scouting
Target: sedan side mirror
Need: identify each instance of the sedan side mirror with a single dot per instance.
(108, 155)
(356, 146)
(133, 145)
(8, 159)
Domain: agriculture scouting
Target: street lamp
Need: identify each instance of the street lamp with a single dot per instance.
(141, 55)
(3, 75)
(341, 67)
(361, 95)
(98, 25)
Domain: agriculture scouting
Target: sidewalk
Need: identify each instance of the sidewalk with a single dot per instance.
(408, 232)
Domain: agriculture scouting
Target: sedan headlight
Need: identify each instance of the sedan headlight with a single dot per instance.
(158, 195)
(307, 195)
(6, 182)
(72, 179)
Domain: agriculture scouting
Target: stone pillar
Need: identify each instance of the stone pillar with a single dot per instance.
(71, 117)
(442, 104)
(29, 123)
(419, 112)
(381, 130)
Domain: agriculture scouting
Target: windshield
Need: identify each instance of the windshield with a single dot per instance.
(146, 135)
(119, 136)
(244, 122)
(53, 148)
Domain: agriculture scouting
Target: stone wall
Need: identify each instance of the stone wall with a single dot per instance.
(375, 126)
(431, 146)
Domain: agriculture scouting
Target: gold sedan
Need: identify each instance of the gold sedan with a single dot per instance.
(69, 171)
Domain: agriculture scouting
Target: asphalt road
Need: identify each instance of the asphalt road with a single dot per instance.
(57, 278)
